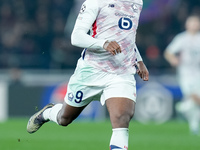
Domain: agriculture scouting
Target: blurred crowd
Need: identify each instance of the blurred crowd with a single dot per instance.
(32, 34)
(35, 34)
(154, 36)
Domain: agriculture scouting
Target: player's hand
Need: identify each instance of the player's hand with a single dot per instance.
(112, 47)
(142, 71)
(171, 58)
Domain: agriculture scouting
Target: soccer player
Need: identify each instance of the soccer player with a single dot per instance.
(105, 70)
(184, 53)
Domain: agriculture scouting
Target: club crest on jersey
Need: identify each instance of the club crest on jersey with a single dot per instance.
(135, 8)
(83, 7)
(70, 96)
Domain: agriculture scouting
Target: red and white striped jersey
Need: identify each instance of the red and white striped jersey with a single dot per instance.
(108, 20)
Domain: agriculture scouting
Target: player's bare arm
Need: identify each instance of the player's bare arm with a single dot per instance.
(142, 71)
(171, 58)
(112, 47)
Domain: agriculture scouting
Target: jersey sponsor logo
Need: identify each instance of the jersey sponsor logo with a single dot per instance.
(125, 23)
(124, 15)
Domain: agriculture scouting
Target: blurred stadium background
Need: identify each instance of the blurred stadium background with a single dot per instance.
(37, 59)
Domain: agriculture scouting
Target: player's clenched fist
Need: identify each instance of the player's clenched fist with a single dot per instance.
(112, 47)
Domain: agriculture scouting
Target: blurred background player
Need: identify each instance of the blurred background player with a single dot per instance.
(184, 54)
(105, 70)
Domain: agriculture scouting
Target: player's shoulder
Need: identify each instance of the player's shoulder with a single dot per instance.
(181, 35)
(97, 3)
(89, 5)
(91, 2)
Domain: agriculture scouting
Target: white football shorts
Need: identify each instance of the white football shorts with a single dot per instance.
(88, 84)
(189, 84)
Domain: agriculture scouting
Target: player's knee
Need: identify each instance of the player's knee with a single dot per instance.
(64, 121)
(126, 117)
(122, 119)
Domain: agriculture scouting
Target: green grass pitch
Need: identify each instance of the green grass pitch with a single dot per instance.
(172, 135)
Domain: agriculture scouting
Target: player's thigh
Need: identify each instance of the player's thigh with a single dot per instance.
(121, 110)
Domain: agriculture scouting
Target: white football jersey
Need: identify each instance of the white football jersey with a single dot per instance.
(108, 20)
(188, 48)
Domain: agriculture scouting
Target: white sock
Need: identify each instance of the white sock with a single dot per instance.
(194, 120)
(119, 139)
(51, 113)
(194, 126)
